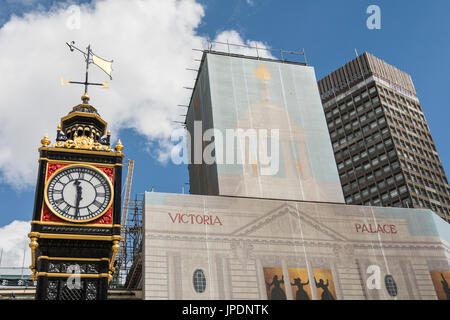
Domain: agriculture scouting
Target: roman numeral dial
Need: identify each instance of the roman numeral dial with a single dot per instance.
(79, 193)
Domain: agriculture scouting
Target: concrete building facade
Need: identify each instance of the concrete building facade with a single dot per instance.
(382, 144)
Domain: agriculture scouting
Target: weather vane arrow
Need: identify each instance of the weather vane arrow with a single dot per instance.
(90, 57)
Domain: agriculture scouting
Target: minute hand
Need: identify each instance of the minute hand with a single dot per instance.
(78, 197)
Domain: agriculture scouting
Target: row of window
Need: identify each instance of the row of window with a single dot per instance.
(385, 197)
(428, 194)
(425, 172)
(408, 119)
(428, 183)
(387, 169)
(350, 126)
(375, 187)
(345, 114)
(401, 99)
(416, 158)
(432, 206)
(412, 131)
(401, 111)
(373, 162)
(367, 139)
(371, 151)
(413, 139)
(416, 149)
(363, 154)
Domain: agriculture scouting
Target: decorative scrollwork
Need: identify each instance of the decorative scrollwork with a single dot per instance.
(82, 142)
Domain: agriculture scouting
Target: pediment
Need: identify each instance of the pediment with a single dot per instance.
(290, 223)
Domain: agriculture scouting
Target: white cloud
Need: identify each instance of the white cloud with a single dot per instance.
(151, 44)
(14, 244)
(231, 41)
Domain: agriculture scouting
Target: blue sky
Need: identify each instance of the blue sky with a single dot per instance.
(414, 37)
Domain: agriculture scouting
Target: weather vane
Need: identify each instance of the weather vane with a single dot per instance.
(90, 57)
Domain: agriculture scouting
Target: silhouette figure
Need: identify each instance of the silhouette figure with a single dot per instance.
(326, 294)
(445, 287)
(301, 294)
(277, 293)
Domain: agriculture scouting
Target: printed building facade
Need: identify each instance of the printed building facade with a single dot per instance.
(212, 247)
(240, 93)
(242, 234)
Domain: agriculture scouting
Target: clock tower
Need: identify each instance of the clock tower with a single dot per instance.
(75, 231)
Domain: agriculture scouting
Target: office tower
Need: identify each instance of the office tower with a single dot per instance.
(382, 144)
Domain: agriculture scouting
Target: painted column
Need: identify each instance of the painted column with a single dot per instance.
(287, 281)
(312, 282)
(226, 279)
(171, 277)
(261, 281)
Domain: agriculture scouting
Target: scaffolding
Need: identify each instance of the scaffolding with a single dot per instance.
(131, 231)
(131, 245)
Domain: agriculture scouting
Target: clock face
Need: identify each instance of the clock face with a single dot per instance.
(79, 193)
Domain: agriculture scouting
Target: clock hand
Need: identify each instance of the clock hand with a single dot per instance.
(78, 197)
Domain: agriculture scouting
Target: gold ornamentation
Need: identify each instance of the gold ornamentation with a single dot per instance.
(119, 146)
(85, 98)
(73, 236)
(33, 245)
(95, 164)
(115, 249)
(72, 259)
(45, 141)
(83, 142)
(68, 275)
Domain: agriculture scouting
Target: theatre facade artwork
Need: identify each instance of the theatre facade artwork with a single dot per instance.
(211, 247)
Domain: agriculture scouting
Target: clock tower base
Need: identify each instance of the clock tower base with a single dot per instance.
(61, 276)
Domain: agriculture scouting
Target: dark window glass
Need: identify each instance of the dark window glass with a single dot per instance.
(391, 286)
(199, 281)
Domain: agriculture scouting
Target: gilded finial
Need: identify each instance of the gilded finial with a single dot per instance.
(59, 128)
(108, 132)
(85, 98)
(119, 146)
(45, 141)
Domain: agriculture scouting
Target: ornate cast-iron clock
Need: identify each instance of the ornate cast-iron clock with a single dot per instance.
(75, 230)
(79, 193)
